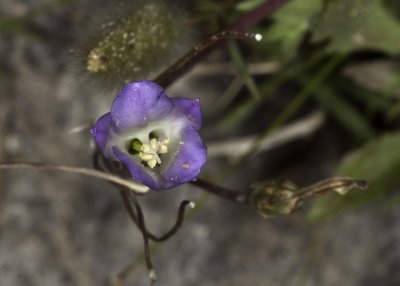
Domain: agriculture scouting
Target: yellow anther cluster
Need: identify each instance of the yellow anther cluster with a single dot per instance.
(150, 152)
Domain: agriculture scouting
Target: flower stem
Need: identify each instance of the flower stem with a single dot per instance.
(256, 15)
(221, 191)
(196, 54)
(178, 223)
(146, 243)
(233, 31)
(131, 185)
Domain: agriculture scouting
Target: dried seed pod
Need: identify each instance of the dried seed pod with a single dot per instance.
(272, 198)
(282, 197)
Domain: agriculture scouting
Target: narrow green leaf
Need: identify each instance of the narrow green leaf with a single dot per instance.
(343, 112)
(243, 111)
(241, 67)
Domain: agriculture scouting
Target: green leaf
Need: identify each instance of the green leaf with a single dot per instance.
(355, 24)
(393, 6)
(378, 163)
(248, 5)
(345, 113)
(241, 67)
(291, 22)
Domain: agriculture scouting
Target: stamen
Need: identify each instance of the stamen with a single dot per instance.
(150, 152)
(154, 144)
(146, 148)
(152, 163)
(162, 149)
(146, 156)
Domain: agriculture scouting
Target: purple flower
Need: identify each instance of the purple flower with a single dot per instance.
(156, 137)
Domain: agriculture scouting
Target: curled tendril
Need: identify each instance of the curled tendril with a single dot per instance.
(132, 205)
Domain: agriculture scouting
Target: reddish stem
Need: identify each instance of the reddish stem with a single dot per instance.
(233, 31)
(256, 15)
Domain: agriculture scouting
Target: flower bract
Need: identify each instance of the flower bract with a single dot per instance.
(154, 136)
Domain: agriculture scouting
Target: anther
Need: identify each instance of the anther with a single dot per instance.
(150, 152)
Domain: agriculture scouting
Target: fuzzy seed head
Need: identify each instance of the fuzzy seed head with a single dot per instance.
(133, 44)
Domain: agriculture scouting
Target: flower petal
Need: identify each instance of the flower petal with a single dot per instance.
(189, 159)
(101, 130)
(142, 109)
(136, 169)
(138, 103)
(191, 108)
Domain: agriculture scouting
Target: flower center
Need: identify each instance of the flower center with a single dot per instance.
(150, 153)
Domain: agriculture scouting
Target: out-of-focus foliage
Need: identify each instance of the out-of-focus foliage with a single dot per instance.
(364, 90)
(378, 162)
(248, 5)
(345, 113)
(346, 25)
(377, 76)
(290, 24)
(354, 24)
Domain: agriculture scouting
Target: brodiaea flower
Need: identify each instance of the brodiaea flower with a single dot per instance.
(156, 137)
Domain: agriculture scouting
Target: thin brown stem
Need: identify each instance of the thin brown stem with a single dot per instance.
(128, 206)
(178, 222)
(256, 15)
(233, 31)
(221, 191)
(142, 225)
(197, 53)
(136, 214)
(131, 185)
